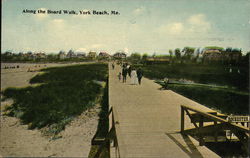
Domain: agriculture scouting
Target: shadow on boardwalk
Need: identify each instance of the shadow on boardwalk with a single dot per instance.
(192, 152)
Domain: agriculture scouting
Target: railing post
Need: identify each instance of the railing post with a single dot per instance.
(216, 132)
(201, 141)
(182, 119)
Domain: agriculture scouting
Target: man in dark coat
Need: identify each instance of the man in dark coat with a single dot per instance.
(139, 75)
(129, 71)
(124, 74)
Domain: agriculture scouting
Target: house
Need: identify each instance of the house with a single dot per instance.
(212, 55)
(62, 55)
(71, 54)
(80, 54)
(29, 55)
(92, 54)
(40, 55)
(104, 55)
(230, 55)
(8, 53)
(120, 55)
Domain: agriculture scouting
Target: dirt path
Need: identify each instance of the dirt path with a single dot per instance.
(17, 141)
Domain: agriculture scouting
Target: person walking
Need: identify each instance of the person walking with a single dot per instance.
(124, 75)
(134, 79)
(129, 70)
(119, 76)
(139, 75)
(113, 66)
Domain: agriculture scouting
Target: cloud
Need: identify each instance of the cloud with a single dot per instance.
(57, 24)
(172, 28)
(198, 23)
(126, 50)
(176, 28)
(96, 46)
(81, 50)
(58, 21)
(139, 11)
(193, 24)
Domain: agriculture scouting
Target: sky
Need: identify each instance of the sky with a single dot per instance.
(144, 26)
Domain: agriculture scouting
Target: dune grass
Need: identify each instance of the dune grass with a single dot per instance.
(64, 93)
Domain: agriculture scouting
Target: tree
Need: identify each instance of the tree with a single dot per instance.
(144, 56)
(188, 52)
(177, 52)
(135, 57)
(52, 57)
(170, 52)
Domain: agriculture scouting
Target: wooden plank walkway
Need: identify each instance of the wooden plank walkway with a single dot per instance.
(149, 120)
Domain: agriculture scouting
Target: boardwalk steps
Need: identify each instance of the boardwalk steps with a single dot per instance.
(217, 128)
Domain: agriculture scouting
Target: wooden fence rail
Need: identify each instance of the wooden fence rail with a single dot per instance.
(114, 131)
(219, 124)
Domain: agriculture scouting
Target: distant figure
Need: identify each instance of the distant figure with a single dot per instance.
(166, 81)
(124, 75)
(113, 66)
(17, 66)
(124, 65)
(230, 70)
(134, 79)
(120, 76)
(129, 70)
(139, 75)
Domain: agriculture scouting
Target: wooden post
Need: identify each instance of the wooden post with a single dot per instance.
(182, 119)
(216, 132)
(201, 141)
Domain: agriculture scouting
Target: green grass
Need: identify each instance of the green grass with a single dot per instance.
(65, 92)
(231, 100)
(223, 100)
(207, 74)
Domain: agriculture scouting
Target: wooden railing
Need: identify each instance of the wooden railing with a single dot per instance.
(113, 130)
(112, 136)
(219, 124)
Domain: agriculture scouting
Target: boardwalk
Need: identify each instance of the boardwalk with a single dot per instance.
(149, 120)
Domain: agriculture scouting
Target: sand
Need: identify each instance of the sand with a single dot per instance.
(16, 140)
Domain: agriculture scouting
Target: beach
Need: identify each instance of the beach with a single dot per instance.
(18, 141)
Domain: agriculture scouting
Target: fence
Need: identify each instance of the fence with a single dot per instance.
(218, 124)
(111, 137)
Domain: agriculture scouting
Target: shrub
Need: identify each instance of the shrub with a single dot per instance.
(66, 92)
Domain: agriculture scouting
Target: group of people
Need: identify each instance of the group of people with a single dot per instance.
(128, 70)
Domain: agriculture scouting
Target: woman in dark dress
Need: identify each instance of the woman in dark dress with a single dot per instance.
(139, 75)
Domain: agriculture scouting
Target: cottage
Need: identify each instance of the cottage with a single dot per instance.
(80, 54)
(120, 55)
(92, 54)
(71, 54)
(104, 55)
(62, 55)
(212, 55)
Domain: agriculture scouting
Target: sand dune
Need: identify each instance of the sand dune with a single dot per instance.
(18, 141)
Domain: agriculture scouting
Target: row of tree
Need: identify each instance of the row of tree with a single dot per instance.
(210, 54)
